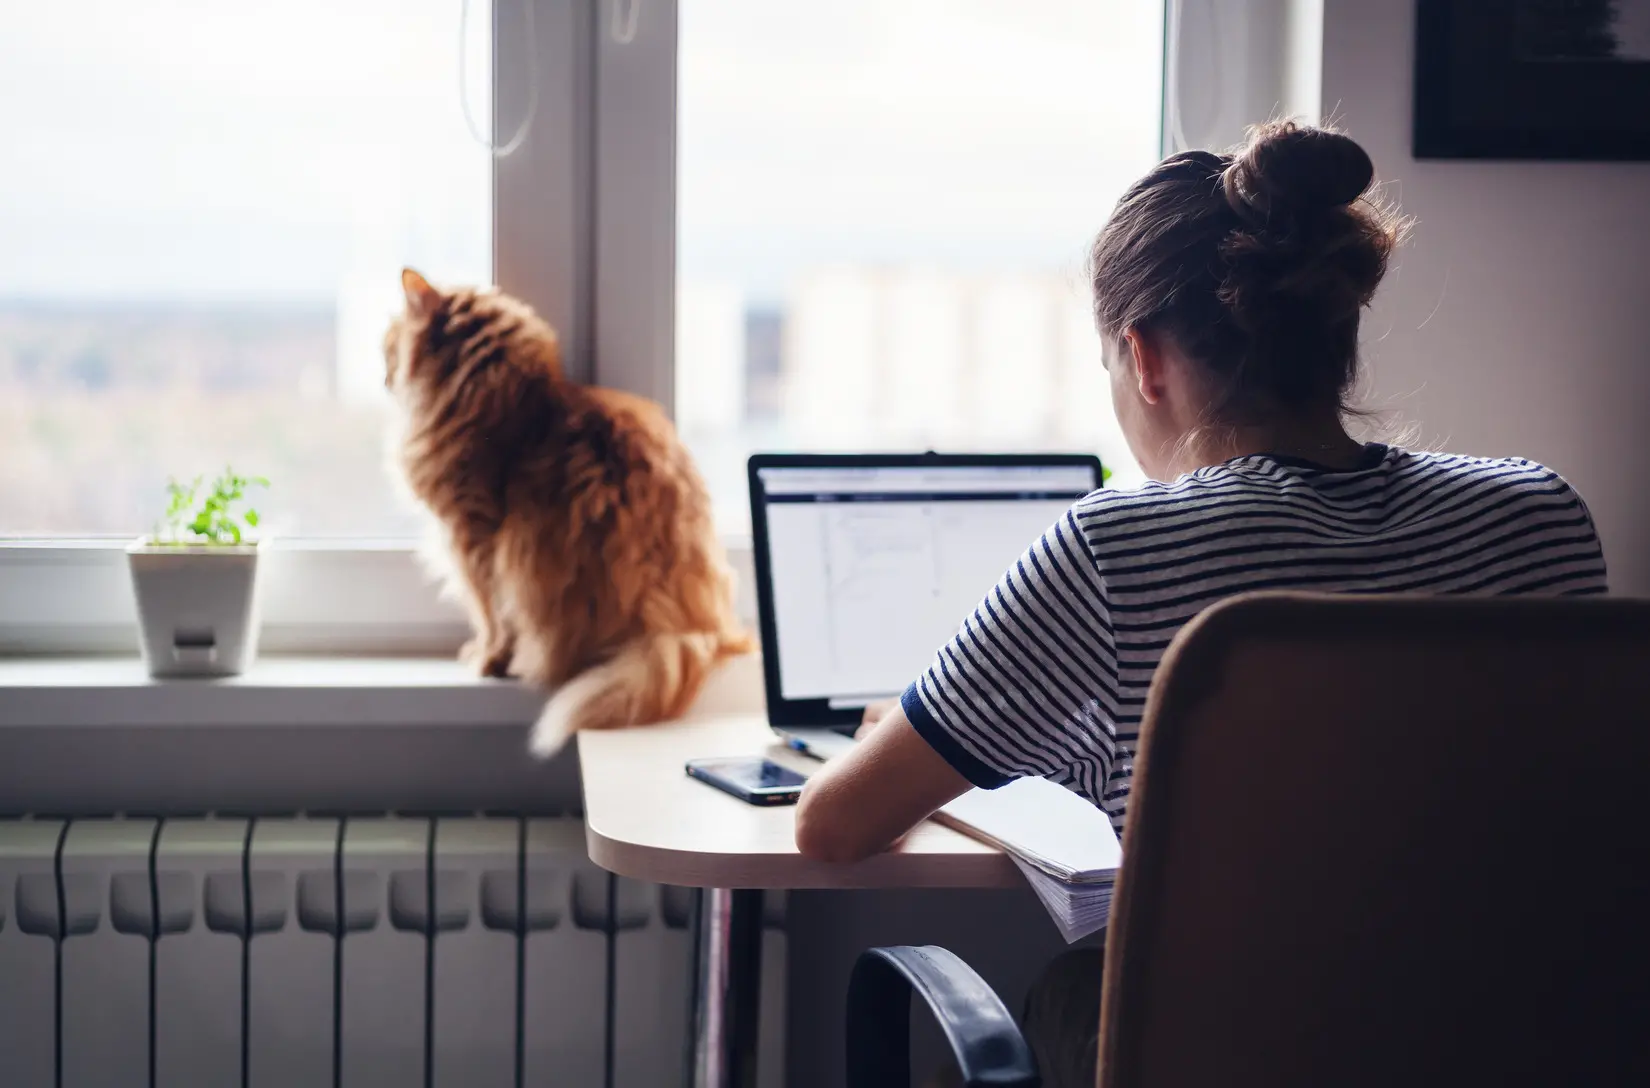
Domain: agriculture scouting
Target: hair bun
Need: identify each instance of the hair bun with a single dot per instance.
(1293, 171)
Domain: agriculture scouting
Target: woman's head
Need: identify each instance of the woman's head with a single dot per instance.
(1227, 288)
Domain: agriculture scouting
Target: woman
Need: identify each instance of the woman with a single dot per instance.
(1227, 291)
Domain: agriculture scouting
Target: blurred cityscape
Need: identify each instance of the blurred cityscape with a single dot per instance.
(890, 358)
(99, 403)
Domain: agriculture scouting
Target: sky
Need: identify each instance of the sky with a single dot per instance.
(956, 132)
(219, 150)
(207, 149)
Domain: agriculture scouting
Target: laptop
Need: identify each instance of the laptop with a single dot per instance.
(867, 564)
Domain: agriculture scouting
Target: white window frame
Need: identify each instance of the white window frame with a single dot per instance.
(584, 229)
(583, 210)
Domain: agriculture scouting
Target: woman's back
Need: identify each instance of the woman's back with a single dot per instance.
(1398, 522)
(1056, 663)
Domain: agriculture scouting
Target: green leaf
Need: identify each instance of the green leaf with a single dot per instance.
(212, 514)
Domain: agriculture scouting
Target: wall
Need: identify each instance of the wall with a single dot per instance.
(1517, 320)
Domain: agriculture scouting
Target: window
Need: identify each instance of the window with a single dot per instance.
(204, 207)
(883, 219)
(786, 217)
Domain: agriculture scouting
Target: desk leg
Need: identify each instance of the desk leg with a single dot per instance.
(728, 988)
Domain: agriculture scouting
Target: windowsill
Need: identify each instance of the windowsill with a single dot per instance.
(299, 692)
(357, 598)
(305, 692)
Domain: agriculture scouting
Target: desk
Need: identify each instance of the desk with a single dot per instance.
(646, 819)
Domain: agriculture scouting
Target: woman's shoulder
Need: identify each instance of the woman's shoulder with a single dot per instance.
(1146, 507)
(1262, 481)
(1491, 473)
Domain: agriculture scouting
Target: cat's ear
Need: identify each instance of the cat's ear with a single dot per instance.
(422, 299)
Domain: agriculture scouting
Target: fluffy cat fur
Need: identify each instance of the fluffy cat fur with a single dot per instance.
(577, 530)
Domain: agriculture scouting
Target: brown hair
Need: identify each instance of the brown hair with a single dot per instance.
(1256, 263)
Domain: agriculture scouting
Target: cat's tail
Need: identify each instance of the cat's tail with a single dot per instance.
(653, 678)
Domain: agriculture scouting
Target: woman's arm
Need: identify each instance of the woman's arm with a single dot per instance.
(866, 800)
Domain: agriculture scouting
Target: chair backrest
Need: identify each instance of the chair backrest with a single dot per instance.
(1388, 841)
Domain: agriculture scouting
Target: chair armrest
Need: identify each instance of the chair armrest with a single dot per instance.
(983, 1036)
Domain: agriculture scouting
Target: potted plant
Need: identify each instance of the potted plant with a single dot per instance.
(196, 580)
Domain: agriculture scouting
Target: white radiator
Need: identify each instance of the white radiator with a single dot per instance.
(378, 952)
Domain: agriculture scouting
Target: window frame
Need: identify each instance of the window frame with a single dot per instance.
(584, 229)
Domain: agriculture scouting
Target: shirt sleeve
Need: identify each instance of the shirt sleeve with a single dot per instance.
(1595, 581)
(1020, 690)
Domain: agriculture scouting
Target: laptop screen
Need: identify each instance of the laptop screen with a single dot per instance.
(872, 568)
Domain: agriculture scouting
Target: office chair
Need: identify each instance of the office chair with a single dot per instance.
(1371, 841)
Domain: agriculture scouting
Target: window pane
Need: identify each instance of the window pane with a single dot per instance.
(885, 211)
(204, 209)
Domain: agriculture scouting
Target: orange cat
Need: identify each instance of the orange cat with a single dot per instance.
(577, 528)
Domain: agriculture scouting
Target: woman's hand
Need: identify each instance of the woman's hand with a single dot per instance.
(874, 713)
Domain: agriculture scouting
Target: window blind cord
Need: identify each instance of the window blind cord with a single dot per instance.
(1171, 78)
(625, 14)
(508, 148)
(1175, 14)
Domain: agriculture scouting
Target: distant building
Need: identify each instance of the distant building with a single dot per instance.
(902, 358)
(369, 296)
(764, 363)
(710, 347)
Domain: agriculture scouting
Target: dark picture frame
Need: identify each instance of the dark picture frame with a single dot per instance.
(1532, 79)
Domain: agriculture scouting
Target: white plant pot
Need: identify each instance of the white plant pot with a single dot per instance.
(197, 606)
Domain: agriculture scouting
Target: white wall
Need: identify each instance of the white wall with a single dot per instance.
(1517, 321)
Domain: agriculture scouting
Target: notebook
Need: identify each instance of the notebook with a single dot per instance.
(1064, 845)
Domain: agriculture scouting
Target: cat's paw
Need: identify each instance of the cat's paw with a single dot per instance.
(487, 658)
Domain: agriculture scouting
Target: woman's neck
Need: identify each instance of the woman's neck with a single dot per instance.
(1322, 441)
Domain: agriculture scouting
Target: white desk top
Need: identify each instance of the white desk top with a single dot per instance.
(646, 819)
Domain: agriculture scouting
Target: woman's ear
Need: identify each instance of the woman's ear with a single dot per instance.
(1142, 354)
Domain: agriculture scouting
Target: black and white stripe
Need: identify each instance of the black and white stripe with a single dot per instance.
(1049, 675)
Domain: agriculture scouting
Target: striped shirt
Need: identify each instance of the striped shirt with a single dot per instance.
(1049, 675)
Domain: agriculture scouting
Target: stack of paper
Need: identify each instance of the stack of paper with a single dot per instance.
(1065, 846)
(1077, 909)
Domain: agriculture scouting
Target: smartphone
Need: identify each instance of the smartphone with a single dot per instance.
(753, 780)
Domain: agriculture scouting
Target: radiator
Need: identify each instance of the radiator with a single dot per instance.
(347, 951)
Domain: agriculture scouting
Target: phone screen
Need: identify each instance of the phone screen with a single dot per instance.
(753, 774)
(759, 781)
